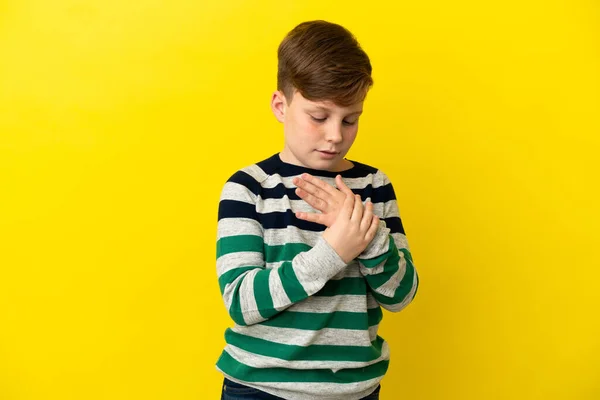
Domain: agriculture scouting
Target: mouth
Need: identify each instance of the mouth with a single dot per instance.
(328, 152)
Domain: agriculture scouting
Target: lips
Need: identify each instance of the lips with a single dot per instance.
(328, 152)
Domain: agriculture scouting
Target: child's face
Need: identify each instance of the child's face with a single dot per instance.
(318, 134)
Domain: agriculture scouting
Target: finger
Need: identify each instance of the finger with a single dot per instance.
(357, 212)
(342, 186)
(319, 184)
(315, 202)
(365, 223)
(372, 229)
(310, 217)
(347, 208)
(313, 190)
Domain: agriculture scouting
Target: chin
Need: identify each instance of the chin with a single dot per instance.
(313, 161)
(328, 165)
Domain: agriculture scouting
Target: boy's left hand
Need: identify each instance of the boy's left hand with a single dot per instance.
(321, 196)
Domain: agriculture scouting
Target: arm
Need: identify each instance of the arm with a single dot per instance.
(387, 263)
(251, 292)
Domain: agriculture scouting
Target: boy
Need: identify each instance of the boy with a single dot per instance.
(304, 266)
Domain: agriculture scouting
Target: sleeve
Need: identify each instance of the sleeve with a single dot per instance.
(253, 293)
(387, 263)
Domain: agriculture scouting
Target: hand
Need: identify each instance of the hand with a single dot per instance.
(322, 197)
(353, 229)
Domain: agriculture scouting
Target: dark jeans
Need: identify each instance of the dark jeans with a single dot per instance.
(235, 391)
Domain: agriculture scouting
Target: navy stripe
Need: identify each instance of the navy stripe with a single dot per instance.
(395, 225)
(281, 220)
(381, 194)
(246, 180)
(274, 165)
(236, 209)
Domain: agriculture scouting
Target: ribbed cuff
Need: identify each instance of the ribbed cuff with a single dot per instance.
(379, 245)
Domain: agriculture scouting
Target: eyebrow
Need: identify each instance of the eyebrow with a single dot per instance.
(323, 108)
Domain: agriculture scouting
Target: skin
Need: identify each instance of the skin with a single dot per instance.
(311, 128)
(318, 135)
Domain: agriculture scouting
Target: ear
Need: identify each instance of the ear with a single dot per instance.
(278, 105)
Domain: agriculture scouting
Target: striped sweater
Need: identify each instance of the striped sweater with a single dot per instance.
(306, 322)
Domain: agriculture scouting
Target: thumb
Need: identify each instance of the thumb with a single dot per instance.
(342, 186)
(311, 217)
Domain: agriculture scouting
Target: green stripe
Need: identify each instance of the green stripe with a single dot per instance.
(234, 244)
(232, 274)
(246, 373)
(262, 294)
(292, 286)
(373, 262)
(390, 267)
(344, 286)
(317, 321)
(284, 252)
(405, 284)
(314, 352)
(407, 254)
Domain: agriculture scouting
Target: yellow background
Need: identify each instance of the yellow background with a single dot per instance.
(120, 122)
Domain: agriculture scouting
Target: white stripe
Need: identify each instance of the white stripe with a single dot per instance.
(283, 204)
(353, 183)
(388, 289)
(329, 304)
(373, 332)
(228, 290)
(379, 268)
(274, 265)
(407, 299)
(235, 191)
(350, 271)
(291, 234)
(400, 241)
(256, 172)
(259, 361)
(248, 301)
(231, 261)
(238, 226)
(278, 294)
(371, 301)
(301, 337)
(388, 208)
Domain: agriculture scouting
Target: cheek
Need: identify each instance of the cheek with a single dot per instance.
(307, 128)
(350, 134)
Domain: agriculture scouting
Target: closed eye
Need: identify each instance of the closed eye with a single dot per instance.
(321, 120)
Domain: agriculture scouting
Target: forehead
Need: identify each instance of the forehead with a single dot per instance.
(326, 105)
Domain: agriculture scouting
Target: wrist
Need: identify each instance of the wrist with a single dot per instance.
(337, 246)
(379, 244)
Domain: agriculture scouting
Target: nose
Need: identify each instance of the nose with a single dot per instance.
(334, 133)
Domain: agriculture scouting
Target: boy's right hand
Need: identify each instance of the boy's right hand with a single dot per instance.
(353, 229)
